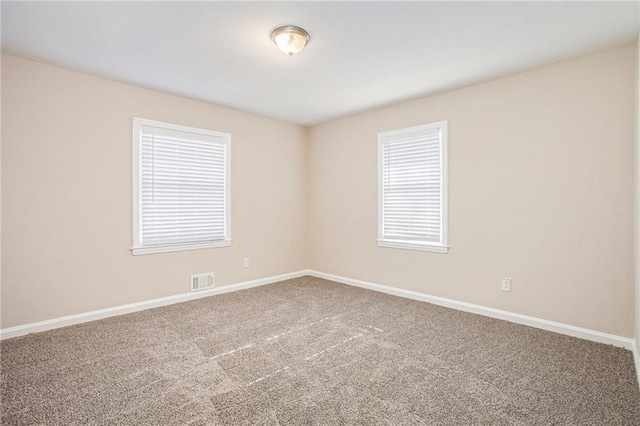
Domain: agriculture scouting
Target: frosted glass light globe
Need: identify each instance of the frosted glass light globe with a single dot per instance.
(290, 39)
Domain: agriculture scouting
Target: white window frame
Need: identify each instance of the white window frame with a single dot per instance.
(442, 246)
(138, 248)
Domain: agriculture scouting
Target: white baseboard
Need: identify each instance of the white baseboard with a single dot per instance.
(636, 361)
(50, 324)
(584, 333)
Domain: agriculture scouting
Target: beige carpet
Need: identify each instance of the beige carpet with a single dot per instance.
(309, 351)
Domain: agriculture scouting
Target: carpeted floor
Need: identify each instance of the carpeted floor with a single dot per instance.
(309, 351)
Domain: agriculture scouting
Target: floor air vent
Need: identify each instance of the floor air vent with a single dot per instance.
(201, 281)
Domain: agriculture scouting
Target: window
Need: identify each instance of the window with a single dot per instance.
(180, 187)
(412, 188)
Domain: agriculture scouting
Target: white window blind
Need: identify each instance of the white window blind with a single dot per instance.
(181, 188)
(412, 188)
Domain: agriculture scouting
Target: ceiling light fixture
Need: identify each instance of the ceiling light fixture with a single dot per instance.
(290, 39)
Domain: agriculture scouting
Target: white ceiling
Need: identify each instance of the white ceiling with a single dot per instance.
(361, 55)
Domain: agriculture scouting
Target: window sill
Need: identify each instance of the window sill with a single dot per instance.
(413, 246)
(164, 249)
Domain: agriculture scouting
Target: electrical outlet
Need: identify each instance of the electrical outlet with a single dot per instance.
(506, 284)
(246, 262)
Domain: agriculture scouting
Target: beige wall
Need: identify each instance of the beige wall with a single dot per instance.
(540, 190)
(66, 195)
(0, 188)
(637, 199)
